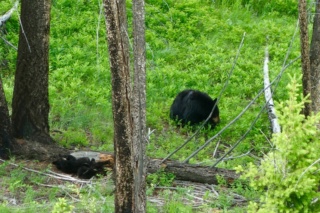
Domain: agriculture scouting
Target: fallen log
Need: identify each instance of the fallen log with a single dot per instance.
(182, 171)
(192, 172)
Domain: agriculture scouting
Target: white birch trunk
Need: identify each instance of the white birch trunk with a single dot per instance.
(8, 14)
(268, 96)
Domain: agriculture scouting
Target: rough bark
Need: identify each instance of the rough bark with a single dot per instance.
(305, 60)
(6, 138)
(118, 43)
(30, 105)
(190, 172)
(139, 158)
(315, 61)
(34, 150)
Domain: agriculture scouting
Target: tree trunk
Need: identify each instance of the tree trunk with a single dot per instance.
(275, 126)
(30, 105)
(305, 60)
(118, 43)
(139, 158)
(6, 138)
(315, 61)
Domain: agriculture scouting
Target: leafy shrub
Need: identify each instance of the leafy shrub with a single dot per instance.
(161, 178)
(289, 173)
(62, 206)
(288, 7)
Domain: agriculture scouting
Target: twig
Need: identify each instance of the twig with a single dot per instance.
(255, 157)
(24, 34)
(212, 189)
(7, 42)
(242, 137)
(149, 134)
(267, 139)
(72, 179)
(238, 156)
(216, 149)
(304, 172)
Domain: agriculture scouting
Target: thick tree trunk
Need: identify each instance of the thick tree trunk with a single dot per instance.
(305, 60)
(139, 158)
(6, 139)
(30, 107)
(315, 61)
(118, 43)
(33, 150)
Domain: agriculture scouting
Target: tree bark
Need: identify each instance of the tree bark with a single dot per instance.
(139, 158)
(305, 59)
(191, 172)
(6, 138)
(315, 61)
(33, 150)
(118, 43)
(30, 105)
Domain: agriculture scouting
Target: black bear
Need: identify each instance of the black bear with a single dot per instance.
(82, 166)
(192, 107)
(85, 167)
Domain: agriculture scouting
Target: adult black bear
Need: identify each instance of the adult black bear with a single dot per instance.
(192, 107)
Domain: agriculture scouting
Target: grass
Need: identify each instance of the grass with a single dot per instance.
(190, 44)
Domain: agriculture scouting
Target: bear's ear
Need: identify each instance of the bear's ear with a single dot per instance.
(215, 100)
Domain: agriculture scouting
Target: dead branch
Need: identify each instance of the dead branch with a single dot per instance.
(268, 96)
(8, 14)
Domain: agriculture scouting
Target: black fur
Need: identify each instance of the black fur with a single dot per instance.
(95, 168)
(192, 107)
(83, 167)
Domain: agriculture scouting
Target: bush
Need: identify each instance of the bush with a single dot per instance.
(287, 7)
(288, 176)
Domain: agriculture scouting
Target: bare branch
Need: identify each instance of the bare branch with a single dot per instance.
(236, 118)
(53, 175)
(8, 14)
(7, 42)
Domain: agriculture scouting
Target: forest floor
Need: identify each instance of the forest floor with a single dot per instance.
(25, 181)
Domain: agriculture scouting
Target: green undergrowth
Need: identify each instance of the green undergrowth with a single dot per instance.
(190, 44)
(288, 175)
(27, 191)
